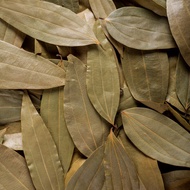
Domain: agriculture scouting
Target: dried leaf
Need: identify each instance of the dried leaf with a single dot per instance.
(53, 24)
(88, 130)
(40, 150)
(73, 5)
(157, 136)
(52, 114)
(13, 141)
(14, 173)
(30, 71)
(139, 28)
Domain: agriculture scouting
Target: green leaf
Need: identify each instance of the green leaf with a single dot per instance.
(120, 171)
(88, 130)
(40, 150)
(102, 77)
(139, 28)
(30, 71)
(14, 173)
(52, 114)
(179, 21)
(47, 22)
(91, 174)
(147, 75)
(157, 136)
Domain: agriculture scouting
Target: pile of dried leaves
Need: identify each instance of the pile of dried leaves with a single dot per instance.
(95, 94)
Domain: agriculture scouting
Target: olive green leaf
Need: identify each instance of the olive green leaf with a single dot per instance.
(10, 34)
(102, 77)
(102, 8)
(179, 179)
(10, 105)
(147, 168)
(179, 21)
(40, 150)
(157, 136)
(120, 171)
(91, 174)
(183, 83)
(2, 132)
(52, 114)
(88, 130)
(147, 75)
(47, 22)
(14, 173)
(30, 71)
(139, 28)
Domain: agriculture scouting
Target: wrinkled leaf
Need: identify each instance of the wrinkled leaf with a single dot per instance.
(147, 75)
(120, 171)
(53, 116)
(91, 174)
(39, 149)
(157, 136)
(139, 28)
(53, 24)
(88, 130)
(14, 173)
(179, 21)
(30, 71)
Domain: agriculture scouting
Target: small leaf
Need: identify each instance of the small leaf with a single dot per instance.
(157, 136)
(139, 28)
(14, 173)
(40, 150)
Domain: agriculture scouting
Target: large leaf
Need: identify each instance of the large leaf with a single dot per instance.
(53, 116)
(40, 150)
(10, 106)
(139, 28)
(47, 22)
(179, 21)
(102, 77)
(14, 173)
(147, 168)
(30, 71)
(120, 171)
(157, 136)
(147, 75)
(10, 34)
(88, 130)
(102, 8)
(91, 174)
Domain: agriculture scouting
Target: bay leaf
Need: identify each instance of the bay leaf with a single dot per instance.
(147, 76)
(14, 173)
(2, 132)
(30, 71)
(91, 174)
(157, 136)
(39, 149)
(52, 114)
(183, 83)
(102, 77)
(102, 8)
(88, 130)
(177, 180)
(178, 17)
(13, 141)
(10, 34)
(139, 28)
(10, 106)
(53, 24)
(147, 168)
(120, 171)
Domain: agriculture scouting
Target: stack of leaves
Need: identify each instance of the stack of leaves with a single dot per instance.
(95, 94)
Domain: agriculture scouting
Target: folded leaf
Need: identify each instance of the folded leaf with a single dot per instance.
(157, 136)
(139, 28)
(47, 22)
(14, 173)
(40, 150)
(30, 71)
